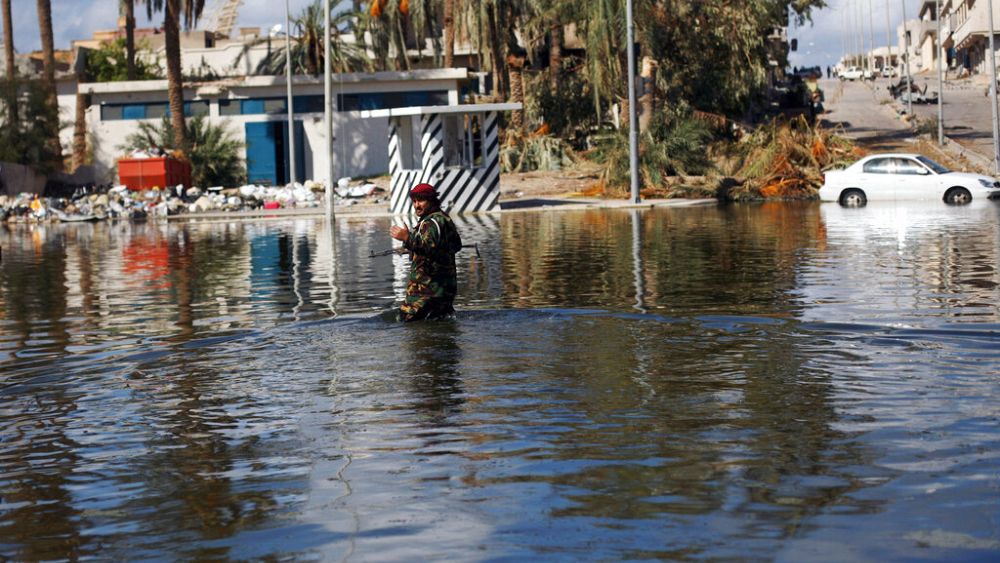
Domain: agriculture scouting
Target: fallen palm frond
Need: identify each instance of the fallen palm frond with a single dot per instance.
(536, 151)
(674, 146)
(786, 160)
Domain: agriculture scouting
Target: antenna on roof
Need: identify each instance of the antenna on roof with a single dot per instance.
(221, 16)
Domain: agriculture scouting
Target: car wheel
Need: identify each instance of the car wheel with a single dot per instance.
(957, 196)
(853, 198)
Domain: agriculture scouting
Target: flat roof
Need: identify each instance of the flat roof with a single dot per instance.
(252, 81)
(425, 110)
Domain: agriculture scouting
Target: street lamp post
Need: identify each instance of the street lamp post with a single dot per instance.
(871, 40)
(940, 65)
(633, 120)
(288, 87)
(888, 39)
(993, 94)
(906, 60)
(328, 109)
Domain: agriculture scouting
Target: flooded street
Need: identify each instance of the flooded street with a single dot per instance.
(777, 381)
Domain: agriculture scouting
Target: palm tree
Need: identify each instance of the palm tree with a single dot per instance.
(8, 40)
(449, 33)
(307, 51)
(173, 9)
(129, 8)
(8, 48)
(49, 78)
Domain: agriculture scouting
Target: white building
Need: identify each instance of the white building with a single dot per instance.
(927, 39)
(965, 29)
(254, 109)
(908, 35)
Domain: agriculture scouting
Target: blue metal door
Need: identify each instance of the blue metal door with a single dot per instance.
(262, 164)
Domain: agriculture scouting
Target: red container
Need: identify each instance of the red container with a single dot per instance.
(145, 173)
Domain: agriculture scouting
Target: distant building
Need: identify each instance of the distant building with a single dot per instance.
(965, 33)
(927, 39)
(908, 36)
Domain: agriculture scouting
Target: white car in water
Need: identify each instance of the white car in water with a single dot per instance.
(904, 177)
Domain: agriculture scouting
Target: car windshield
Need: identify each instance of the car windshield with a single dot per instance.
(937, 168)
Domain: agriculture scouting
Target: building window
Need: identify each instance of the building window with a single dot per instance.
(463, 141)
(152, 110)
(272, 106)
(387, 100)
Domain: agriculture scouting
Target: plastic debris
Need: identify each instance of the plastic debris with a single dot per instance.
(118, 202)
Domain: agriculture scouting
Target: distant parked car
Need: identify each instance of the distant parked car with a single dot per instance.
(904, 177)
(889, 72)
(852, 73)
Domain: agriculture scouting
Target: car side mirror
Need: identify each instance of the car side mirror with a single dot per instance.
(923, 171)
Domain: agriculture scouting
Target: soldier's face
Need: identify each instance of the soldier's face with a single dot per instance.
(421, 206)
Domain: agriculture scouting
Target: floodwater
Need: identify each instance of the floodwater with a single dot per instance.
(792, 382)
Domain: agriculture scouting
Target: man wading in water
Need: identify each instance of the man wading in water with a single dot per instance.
(433, 243)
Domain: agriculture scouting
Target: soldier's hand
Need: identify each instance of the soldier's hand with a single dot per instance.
(399, 233)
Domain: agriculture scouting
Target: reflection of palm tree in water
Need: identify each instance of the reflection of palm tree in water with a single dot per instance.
(434, 373)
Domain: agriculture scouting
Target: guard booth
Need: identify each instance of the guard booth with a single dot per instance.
(454, 148)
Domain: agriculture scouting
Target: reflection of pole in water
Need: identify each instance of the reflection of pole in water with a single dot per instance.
(296, 280)
(326, 248)
(639, 273)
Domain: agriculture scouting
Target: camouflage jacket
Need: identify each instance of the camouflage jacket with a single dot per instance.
(433, 244)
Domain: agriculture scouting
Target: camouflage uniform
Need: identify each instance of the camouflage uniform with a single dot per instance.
(433, 283)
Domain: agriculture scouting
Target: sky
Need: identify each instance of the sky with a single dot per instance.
(79, 19)
(823, 41)
(820, 42)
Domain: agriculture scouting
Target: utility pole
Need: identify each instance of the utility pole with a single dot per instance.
(288, 87)
(871, 40)
(906, 57)
(328, 110)
(888, 39)
(633, 120)
(993, 95)
(940, 65)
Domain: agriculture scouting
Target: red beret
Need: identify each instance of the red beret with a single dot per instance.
(423, 191)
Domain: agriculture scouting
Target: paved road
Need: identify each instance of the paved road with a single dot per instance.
(968, 117)
(868, 113)
(856, 108)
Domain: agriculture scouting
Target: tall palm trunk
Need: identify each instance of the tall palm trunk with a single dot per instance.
(80, 130)
(8, 40)
(555, 53)
(175, 83)
(130, 39)
(49, 78)
(449, 33)
(8, 48)
(496, 51)
(515, 66)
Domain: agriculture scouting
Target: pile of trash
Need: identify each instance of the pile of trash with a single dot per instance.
(121, 203)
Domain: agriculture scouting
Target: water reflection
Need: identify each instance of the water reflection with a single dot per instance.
(718, 382)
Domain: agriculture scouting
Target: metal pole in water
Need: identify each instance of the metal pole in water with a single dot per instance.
(288, 87)
(906, 57)
(993, 95)
(328, 110)
(940, 65)
(633, 120)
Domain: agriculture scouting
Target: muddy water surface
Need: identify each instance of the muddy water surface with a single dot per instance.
(756, 382)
